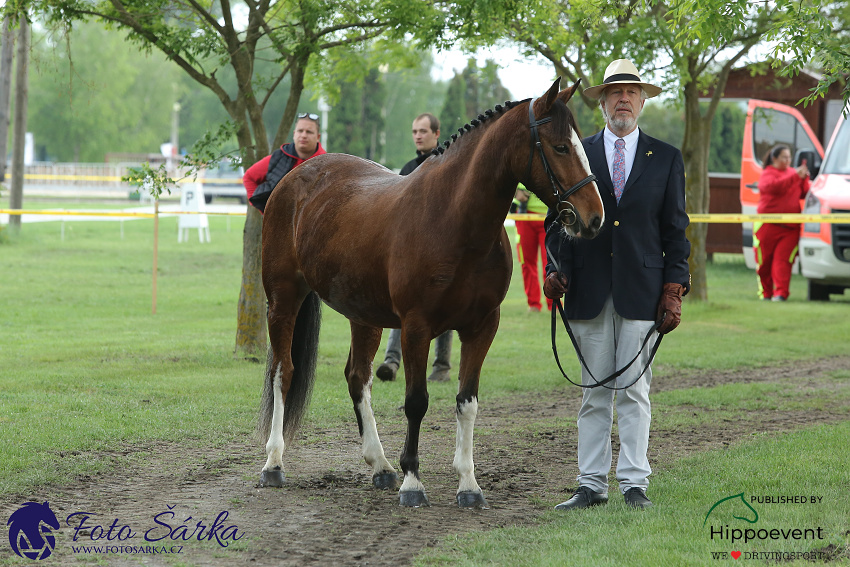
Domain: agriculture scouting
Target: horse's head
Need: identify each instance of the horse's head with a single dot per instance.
(558, 171)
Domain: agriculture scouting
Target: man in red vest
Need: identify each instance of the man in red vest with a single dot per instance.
(261, 178)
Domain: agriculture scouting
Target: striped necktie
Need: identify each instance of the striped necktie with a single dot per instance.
(619, 177)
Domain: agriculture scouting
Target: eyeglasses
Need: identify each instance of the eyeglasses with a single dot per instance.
(310, 115)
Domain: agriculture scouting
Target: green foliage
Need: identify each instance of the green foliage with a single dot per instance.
(156, 182)
(106, 96)
(811, 35)
(471, 92)
(356, 124)
(727, 139)
(453, 114)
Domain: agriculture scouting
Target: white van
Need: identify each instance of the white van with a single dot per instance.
(824, 257)
(825, 248)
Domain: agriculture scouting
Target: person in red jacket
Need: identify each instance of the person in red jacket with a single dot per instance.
(531, 237)
(261, 178)
(780, 189)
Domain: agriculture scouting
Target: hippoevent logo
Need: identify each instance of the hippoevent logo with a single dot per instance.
(731, 514)
(753, 518)
(31, 531)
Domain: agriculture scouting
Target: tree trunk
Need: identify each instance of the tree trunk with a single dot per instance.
(6, 57)
(251, 311)
(16, 197)
(251, 315)
(695, 149)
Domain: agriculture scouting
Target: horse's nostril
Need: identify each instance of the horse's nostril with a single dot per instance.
(596, 222)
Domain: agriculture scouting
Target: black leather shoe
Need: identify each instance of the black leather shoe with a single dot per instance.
(584, 497)
(636, 498)
(386, 371)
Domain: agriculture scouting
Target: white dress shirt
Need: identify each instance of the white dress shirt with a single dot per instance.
(629, 151)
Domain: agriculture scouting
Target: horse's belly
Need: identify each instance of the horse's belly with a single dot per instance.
(360, 300)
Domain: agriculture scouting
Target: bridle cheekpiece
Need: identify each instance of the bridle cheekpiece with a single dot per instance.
(557, 188)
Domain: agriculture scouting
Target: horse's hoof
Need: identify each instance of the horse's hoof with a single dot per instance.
(273, 478)
(469, 499)
(385, 480)
(413, 499)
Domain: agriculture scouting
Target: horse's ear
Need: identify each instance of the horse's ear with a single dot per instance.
(567, 94)
(552, 95)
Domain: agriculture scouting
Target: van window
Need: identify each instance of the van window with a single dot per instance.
(772, 127)
(838, 159)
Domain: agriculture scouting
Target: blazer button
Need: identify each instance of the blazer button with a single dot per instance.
(616, 223)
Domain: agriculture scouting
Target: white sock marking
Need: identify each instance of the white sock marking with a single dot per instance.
(463, 464)
(275, 444)
(373, 451)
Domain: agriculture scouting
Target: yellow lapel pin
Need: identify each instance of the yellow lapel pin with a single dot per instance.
(649, 153)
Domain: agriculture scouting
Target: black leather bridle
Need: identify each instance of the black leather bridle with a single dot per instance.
(557, 188)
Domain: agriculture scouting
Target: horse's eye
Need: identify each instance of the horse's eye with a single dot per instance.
(562, 149)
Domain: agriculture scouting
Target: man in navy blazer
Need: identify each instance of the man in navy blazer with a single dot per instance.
(618, 286)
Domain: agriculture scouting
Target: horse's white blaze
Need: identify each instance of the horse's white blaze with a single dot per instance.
(275, 444)
(373, 451)
(463, 465)
(582, 156)
(411, 483)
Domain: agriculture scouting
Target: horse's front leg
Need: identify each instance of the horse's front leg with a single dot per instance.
(358, 372)
(415, 342)
(474, 347)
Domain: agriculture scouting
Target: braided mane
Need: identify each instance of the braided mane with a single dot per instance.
(496, 112)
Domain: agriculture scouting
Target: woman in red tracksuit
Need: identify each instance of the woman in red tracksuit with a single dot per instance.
(531, 237)
(780, 189)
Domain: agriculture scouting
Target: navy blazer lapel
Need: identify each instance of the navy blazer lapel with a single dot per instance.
(595, 150)
(643, 157)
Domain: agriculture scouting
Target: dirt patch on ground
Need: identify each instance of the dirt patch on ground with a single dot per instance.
(328, 513)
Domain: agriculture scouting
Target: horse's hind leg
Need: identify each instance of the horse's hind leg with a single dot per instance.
(294, 320)
(474, 347)
(358, 372)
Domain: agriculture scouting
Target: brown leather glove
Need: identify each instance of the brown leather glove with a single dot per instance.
(555, 285)
(669, 312)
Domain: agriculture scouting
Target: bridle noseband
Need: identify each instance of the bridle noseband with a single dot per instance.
(557, 188)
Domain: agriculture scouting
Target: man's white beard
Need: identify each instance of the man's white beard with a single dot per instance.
(625, 123)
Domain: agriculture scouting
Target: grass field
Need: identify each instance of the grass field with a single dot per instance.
(86, 368)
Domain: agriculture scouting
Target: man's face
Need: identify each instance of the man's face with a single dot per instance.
(423, 137)
(622, 106)
(306, 137)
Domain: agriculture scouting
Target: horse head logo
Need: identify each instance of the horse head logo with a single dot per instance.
(733, 498)
(30, 530)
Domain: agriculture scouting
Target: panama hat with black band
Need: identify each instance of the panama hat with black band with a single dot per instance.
(622, 72)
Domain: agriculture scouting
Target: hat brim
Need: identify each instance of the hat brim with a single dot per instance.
(596, 90)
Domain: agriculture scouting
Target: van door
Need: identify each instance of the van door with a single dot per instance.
(768, 124)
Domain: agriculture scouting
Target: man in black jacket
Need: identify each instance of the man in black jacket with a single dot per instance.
(426, 136)
(620, 284)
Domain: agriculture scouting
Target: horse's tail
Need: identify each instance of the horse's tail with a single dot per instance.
(305, 347)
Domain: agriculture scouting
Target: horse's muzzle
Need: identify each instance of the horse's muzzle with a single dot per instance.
(575, 225)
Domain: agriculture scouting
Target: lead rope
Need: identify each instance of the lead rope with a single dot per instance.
(604, 382)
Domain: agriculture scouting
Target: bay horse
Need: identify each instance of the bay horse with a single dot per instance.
(425, 253)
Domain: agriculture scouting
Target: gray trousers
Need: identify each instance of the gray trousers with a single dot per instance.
(442, 355)
(608, 343)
